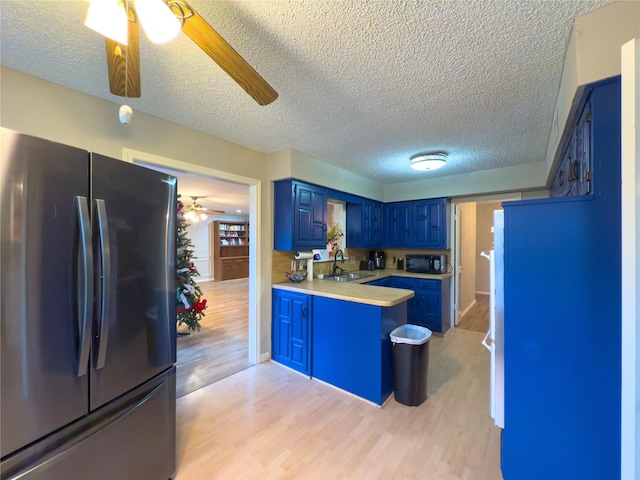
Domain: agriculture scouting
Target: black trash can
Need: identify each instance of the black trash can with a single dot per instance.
(410, 350)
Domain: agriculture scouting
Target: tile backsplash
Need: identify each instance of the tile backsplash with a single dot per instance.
(281, 260)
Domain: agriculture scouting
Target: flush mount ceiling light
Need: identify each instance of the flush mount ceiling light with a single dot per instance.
(428, 161)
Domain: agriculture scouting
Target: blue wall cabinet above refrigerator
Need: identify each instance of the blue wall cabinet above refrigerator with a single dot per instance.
(300, 216)
(573, 175)
(291, 342)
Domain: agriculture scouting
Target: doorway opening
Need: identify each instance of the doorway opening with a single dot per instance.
(228, 341)
(471, 234)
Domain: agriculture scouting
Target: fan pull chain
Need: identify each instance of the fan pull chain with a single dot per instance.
(126, 113)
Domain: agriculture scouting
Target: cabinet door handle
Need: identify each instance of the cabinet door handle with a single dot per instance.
(304, 312)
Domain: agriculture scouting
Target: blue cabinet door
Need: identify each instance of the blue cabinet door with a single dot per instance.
(364, 224)
(300, 216)
(377, 219)
(429, 306)
(429, 223)
(397, 231)
(583, 151)
(310, 216)
(291, 327)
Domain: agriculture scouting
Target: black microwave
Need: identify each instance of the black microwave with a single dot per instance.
(426, 263)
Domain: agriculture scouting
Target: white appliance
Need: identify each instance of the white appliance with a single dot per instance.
(494, 339)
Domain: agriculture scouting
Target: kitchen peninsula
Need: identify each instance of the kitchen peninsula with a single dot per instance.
(338, 331)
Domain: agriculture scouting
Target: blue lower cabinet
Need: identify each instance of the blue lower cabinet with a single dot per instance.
(351, 346)
(291, 341)
(430, 305)
(383, 282)
(430, 311)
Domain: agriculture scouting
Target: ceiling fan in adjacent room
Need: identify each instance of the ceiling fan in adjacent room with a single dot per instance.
(162, 20)
(196, 212)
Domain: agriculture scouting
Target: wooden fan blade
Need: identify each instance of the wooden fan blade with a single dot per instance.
(127, 64)
(212, 43)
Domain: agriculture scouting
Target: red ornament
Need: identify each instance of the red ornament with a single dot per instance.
(200, 306)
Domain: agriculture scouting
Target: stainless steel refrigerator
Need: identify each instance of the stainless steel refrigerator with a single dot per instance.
(87, 339)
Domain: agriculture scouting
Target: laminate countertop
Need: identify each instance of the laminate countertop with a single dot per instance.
(356, 290)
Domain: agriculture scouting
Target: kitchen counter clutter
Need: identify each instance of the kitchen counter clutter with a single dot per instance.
(357, 290)
(338, 331)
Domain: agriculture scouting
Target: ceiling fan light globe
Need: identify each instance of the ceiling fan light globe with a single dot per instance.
(109, 19)
(158, 21)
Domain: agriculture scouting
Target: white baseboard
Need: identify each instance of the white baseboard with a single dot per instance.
(466, 310)
(264, 357)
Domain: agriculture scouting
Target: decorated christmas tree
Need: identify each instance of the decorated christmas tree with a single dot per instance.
(190, 306)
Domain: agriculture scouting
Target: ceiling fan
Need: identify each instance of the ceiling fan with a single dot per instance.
(118, 21)
(196, 212)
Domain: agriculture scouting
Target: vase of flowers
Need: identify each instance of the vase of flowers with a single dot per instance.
(333, 238)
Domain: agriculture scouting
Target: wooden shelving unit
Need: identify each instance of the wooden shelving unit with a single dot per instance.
(230, 247)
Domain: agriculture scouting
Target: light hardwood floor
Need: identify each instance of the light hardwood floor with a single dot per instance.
(220, 348)
(269, 422)
(477, 319)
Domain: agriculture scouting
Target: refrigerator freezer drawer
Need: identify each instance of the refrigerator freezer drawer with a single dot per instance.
(132, 438)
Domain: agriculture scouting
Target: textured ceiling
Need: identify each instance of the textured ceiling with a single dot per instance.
(362, 84)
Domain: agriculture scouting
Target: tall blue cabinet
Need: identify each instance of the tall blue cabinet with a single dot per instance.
(562, 312)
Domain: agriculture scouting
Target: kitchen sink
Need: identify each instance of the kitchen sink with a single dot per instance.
(348, 277)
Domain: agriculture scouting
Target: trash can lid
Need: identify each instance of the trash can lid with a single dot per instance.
(411, 334)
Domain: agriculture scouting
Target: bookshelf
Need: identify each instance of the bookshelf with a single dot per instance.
(230, 246)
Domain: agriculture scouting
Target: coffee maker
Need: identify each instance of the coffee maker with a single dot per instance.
(378, 258)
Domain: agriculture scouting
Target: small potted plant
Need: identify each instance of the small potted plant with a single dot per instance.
(333, 235)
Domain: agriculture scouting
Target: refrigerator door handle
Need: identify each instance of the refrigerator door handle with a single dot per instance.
(85, 285)
(104, 295)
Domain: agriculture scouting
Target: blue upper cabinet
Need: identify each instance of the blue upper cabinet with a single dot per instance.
(416, 224)
(429, 223)
(300, 217)
(397, 230)
(573, 174)
(364, 223)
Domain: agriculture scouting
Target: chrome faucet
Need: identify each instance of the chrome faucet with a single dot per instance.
(335, 259)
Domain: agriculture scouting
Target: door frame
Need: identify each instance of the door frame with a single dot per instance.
(455, 202)
(255, 250)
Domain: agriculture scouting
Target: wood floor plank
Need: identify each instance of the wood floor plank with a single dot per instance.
(269, 422)
(220, 348)
(477, 318)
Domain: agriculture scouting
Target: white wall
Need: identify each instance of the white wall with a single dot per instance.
(467, 260)
(199, 235)
(507, 179)
(593, 54)
(43, 109)
(630, 435)
(293, 164)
